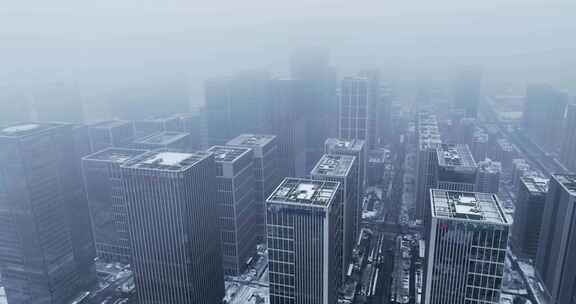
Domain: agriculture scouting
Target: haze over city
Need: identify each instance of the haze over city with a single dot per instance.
(296, 152)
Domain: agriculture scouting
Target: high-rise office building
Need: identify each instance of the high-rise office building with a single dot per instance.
(285, 120)
(108, 210)
(427, 141)
(304, 246)
(47, 253)
(235, 186)
(488, 180)
(544, 109)
(555, 257)
(467, 92)
(113, 133)
(236, 105)
(193, 123)
(480, 145)
(529, 207)
(147, 127)
(355, 148)
(504, 152)
(266, 171)
(176, 257)
(173, 141)
(355, 110)
(343, 169)
(312, 67)
(568, 147)
(457, 169)
(468, 235)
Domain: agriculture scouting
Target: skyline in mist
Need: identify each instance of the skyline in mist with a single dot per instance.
(513, 41)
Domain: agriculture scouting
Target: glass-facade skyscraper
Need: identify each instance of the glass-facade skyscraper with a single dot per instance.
(176, 257)
(468, 237)
(304, 246)
(46, 248)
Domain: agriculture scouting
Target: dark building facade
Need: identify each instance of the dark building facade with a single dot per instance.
(176, 257)
(468, 237)
(467, 91)
(47, 253)
(543, 112)
(235, 105)
(236, 199)
(106, 200)
(304, 243)
(266, 172)
(312, 67)
(343, 169)
(555, 263)
(530, 202)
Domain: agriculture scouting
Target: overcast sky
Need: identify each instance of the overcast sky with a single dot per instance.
(527, 40)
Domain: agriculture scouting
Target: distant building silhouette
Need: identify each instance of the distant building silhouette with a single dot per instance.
(176, 257)
(544, 109)
(173, 141)
(568, 147)
(467, 91)
(304, 218)
(113, 133)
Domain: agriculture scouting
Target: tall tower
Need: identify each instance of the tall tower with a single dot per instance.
(47, 254)
(235, 186)
(555, 256)
(343, 169)
(467, 92)
(304, 244)
(530, 203)
(428, 141)
(174, 227)
(544, 108)
(108, 210)
(312, 67)
(266, 172)
(468, 235)
(488, 180)
(355, 110)
(568, 149)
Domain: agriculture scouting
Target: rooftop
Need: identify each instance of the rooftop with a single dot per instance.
(333, 165)
(24, 129)
(109, 124)
(428, 132)
(115, 155)
(162, 138)
(450, 155)
(304, 192)
(471, 206)
(251, 140)
(568, 181)
(535, 184)
(490, 166)
(166, 161)
(345, 144)
(227, 153)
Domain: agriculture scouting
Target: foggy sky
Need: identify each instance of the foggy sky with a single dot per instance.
(513, 40)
